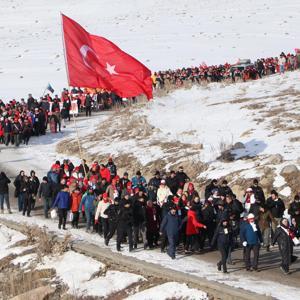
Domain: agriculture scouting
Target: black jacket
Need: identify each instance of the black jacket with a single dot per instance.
(182, 178)
(45, 190)
(112, 213)
(34, 184)
(223, 236)
(126, 213)
(259, 194)
(4, 181)
(276, 207)
(139, 213)
(173, 184)
(285, 244)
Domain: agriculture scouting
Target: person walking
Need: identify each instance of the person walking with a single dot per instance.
(224, 238)
(251, 239)
(62, 202)
(4, 192)
(125, 223)
(170, 226)
(284, 238)
(76, 197)
(89, 209)
(45, 195)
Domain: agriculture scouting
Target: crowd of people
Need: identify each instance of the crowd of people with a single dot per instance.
(243, 70)
(20, 120)
(166, 211)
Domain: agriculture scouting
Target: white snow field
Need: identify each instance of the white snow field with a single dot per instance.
(161, 34)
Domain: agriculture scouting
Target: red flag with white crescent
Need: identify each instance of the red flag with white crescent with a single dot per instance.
(95, 62)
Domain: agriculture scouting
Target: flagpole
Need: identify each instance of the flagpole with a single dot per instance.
(67, 71)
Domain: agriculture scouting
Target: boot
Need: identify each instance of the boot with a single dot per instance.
(106, 242)
(219, 266)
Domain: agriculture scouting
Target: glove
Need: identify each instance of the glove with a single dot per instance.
(245, 244)
(96, 221)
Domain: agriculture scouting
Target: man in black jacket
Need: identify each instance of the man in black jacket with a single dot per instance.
(45, 195)
(209, 188)
(125, 222)
(294, 209)
(173, 183)
(88, 105)
(182, 177)
(139, 222)
(4, 192)
(276, 207)
(258, 192)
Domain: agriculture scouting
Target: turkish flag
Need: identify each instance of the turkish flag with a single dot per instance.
(95, 62)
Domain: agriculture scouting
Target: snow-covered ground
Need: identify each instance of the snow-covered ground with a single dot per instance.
(190, 265)
(86, 276)
(162, 34)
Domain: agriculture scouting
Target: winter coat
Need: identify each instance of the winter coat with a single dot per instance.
(223, 237)
(112, 213)
(225, 190)
(264, 220)
(88, 202)
(152, 217)
(294, 211)
(258, 194)
(62, 200)
(104, 173)
(208, 190)
(249, 235)
(75, 201)
(17, 184)
(182, 178)
(4, 181)
(234, 209)
(126, 214)
(112, 169)
(53, 177)
(139, 213)
(171, 225)
(45, 190)
(162, 194)
(276, 207)
(101, 208)
(34, 184)
(285, 244)
(173, 184)
(139, 182)
(192, 224)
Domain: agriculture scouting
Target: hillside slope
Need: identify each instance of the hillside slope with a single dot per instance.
(162, 34)
(193, 127)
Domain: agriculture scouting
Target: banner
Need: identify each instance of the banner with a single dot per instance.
(74, 107)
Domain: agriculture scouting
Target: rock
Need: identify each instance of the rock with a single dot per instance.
(226, 156)
(289, 169)
(43, 292)
(238, 145)
(275, 159)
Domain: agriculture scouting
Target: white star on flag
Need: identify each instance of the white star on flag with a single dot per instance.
(111, 69)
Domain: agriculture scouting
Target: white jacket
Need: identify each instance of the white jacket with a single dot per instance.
(162, 194)
(101, 209)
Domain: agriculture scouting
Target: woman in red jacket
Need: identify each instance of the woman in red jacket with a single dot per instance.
(192, 228)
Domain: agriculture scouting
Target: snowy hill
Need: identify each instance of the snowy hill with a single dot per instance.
(193, 127)
(162, 34)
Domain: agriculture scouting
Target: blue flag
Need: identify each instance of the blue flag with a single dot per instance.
(50, 88)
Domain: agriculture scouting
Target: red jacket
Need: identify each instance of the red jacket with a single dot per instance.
(104, 173)
(192, 223)
(75, 201)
